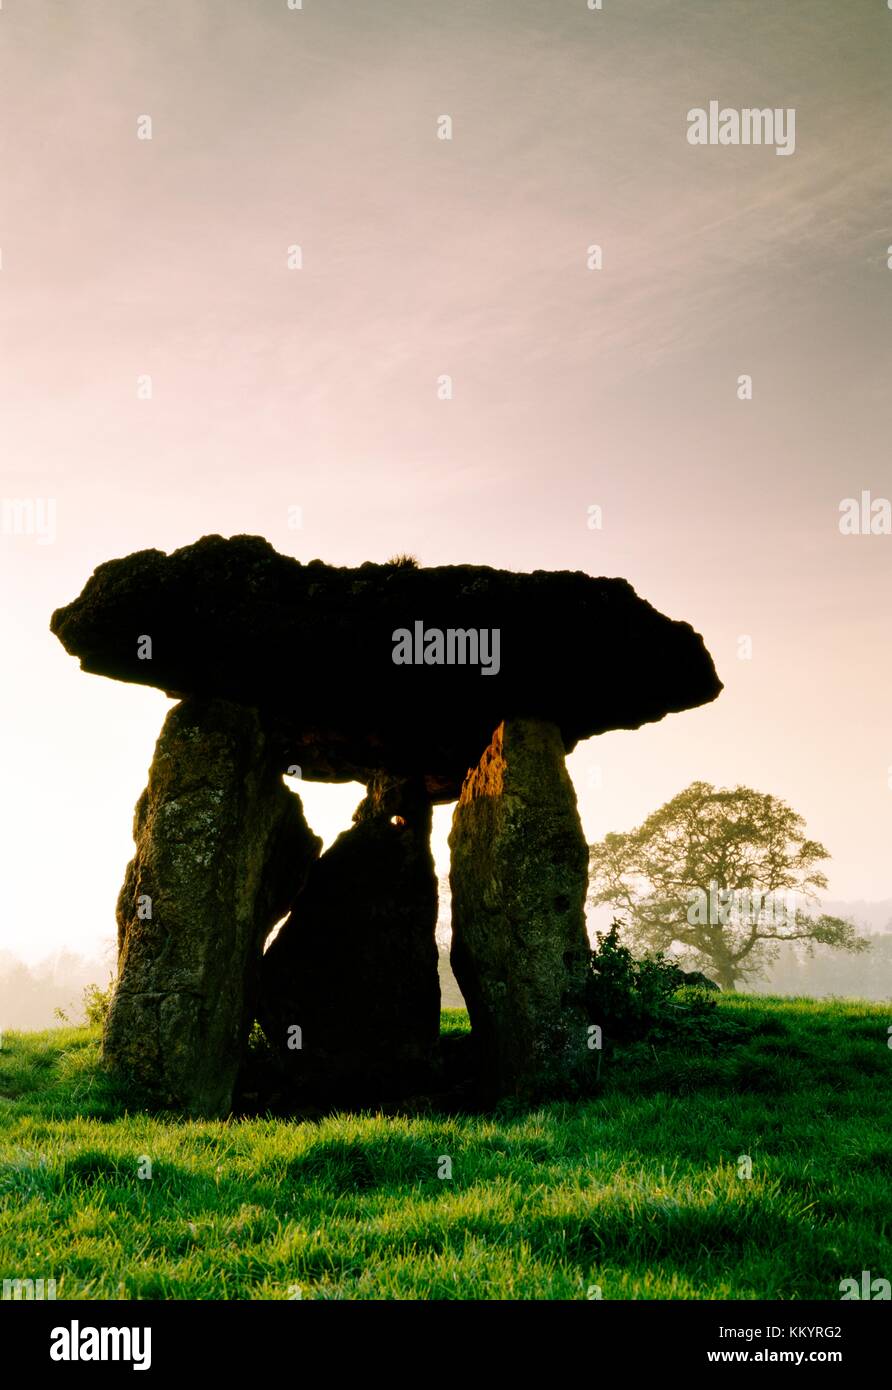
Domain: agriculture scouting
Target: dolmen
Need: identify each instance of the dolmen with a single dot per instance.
(456, 683)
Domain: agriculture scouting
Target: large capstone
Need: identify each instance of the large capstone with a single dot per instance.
(519, 946)
(313, 647)
(350, 997)
(222, 849)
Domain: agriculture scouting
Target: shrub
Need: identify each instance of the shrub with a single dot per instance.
(97, 1002)
(638, 999)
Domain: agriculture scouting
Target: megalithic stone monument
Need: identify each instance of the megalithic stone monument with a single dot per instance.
(458, 683)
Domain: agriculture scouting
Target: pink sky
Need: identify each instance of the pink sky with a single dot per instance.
(318, 388)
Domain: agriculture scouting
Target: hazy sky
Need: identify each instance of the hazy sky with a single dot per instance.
(274, 388)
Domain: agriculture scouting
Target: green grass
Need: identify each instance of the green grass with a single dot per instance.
(635, 1191)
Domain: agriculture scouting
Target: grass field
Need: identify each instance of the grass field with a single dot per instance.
(635, 1193)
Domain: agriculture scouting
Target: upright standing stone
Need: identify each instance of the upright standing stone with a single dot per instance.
(355, 966)
(221, 849)
(519, 876)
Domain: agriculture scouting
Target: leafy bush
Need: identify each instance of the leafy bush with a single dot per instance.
(97, 1002)
(634, 999)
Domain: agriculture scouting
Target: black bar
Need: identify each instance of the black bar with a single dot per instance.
(262, 1339)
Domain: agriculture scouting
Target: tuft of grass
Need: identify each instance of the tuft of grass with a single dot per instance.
(639, 1191)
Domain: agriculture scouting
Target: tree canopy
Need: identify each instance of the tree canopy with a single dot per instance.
(724, 874)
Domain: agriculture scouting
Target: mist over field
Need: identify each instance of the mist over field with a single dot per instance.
(31, 994)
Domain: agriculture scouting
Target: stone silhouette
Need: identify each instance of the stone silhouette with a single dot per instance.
(426, 685)
(311, 646)
(222, 849)
(519, 946)
(355, 966)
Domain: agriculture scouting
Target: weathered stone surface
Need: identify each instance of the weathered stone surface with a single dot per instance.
(222, 847)
(311, 646)
(519, 945)
(355, 965)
